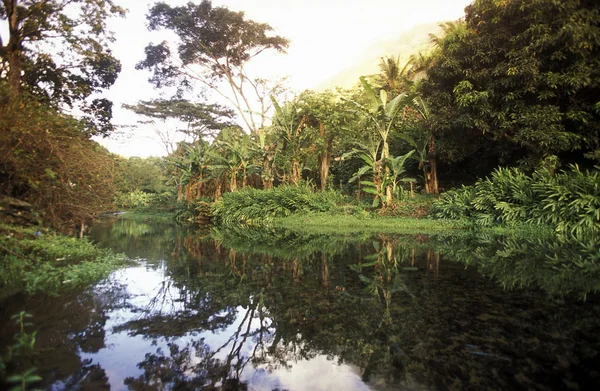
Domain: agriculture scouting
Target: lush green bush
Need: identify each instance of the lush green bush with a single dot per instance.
(135, 199)
(48, 160)
(36, 259)
(258, 207)
(569, 200)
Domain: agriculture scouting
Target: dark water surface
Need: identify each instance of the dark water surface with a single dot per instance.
(256, 310)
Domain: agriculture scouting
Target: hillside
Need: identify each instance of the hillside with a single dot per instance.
(410, 42)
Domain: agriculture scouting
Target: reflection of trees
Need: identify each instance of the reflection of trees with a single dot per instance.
(559, 265)
(197, 365)
(78, 324)
(137, 239)
(392, 305)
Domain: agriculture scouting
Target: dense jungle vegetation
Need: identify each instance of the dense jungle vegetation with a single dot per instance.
(505, 102)
(485, 148)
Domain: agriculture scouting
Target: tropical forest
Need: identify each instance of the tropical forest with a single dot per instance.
(428, 219)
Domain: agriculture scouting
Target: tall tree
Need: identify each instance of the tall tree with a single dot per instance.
(58, 51)
(214, 46)
(523, 74)
(194, 120)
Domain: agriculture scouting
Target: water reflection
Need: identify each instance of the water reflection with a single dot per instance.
(270, 310)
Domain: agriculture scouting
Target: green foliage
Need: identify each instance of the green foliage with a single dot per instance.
(569, 200)
(22, 348)
(47, 161)
(259, 207)
(38, 260)
(518, 77)
(148, 175)
(136, 199)
(58, 51)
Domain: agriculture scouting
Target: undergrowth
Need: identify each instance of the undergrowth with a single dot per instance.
(259, 207)
(568, 201)
(34, 260)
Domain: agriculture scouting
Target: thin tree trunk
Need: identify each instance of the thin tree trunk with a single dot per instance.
(244, 178)
(218, 190)
(267, 177)
(13, 48)
(385, 153)
(233, 182)
(431, 179)
(295, 174)
(325, 158)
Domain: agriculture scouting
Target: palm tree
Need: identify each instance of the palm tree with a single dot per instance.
(394, 76)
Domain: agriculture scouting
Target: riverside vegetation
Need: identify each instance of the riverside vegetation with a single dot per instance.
(373, 156)
(500, 115)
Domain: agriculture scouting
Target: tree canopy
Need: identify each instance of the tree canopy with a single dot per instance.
(57, 50)
(523, 75)
(214, 46)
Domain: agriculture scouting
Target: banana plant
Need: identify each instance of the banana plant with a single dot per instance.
(234, 155)
(289, 122)
(383, 113)
(425, 145)
(398, 170)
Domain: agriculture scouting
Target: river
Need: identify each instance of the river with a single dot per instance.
(274, 310)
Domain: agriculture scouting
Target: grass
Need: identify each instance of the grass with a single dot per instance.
(327, 223)
(37, 259)
(322, 223)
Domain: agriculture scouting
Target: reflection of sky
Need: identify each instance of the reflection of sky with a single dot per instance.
(123, 352)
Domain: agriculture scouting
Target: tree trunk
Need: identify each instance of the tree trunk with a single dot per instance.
(233, 182)
(325, 158)
(430, 171)
(377, 176)
(385, 154)
(244, 178)
(199, 186)
(295, 174)
(218, 190)
(267, 177)
(13, 48)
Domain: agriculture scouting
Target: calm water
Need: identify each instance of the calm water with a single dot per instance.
(252, 310)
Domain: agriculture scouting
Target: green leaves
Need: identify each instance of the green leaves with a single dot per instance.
(258, 207)
(518, 76)
(569, 201)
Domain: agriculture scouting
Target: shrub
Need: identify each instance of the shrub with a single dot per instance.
(569, 201)
(135, 199)
(258, 207)
(48, 160)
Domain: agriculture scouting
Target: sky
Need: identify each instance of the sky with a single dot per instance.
(325, 36)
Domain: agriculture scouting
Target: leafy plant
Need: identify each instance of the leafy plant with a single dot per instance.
(258, 207)
(24, 346)
(569, 201)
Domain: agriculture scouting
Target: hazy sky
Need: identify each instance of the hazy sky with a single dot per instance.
(325, 36)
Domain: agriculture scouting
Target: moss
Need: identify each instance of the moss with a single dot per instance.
(37, 259)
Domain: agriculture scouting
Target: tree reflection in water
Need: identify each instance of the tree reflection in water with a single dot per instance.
(272, 309)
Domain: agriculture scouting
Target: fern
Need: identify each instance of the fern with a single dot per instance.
(569, 201)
